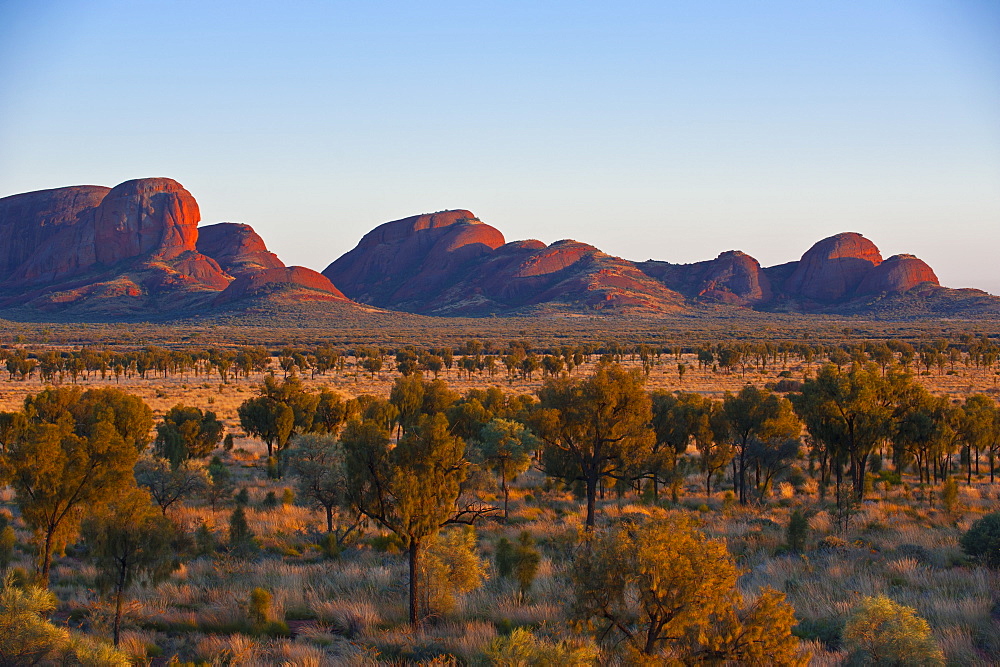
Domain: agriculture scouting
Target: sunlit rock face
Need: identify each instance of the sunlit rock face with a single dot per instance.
(899, 273)
(146, 216)
(833, 268)
(403, 261)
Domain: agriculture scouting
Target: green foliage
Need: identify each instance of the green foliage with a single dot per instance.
(287, 497)
(205, 541)
(317, 464)
(797, 532)
(242, 541)
(187, 433)
(168, 484)
(949, 494)
(259, 607)
(506, 446)
(411, 489)
(504, 558)
(850, 412)
(883, 632)
(594, 428)
(128, 541)
(523, 649)
(78, 452)
(982, 541)
(526, 561)
(279, 411)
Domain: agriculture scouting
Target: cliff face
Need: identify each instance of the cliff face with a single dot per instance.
(450, 263)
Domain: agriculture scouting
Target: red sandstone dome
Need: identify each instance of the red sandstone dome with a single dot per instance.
(406, 260)
(899, 273)
(833, 268)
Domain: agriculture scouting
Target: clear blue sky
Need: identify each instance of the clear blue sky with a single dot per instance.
(666, 130)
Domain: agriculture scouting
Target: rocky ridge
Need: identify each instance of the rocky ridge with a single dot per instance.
(137, 249)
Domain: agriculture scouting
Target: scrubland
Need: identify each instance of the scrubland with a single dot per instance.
(348, 604)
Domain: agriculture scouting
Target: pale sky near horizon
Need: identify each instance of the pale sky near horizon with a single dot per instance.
(665, 130)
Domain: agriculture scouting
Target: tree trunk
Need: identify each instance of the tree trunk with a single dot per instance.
(46, 559)
(118, 609)
(591, 500)
(414, 590)
(506, 495)
(329, 518)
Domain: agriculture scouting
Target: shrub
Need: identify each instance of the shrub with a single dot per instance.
(883, 632)
(204, 539)
(521, 648)
(949, 494)
(982, 541)
(259, 609)
(526, 561)
(449, 567)
(7, 541)
(242, 542)
(798, 530)
(504, 558)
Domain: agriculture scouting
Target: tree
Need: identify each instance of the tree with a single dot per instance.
(280, 411)
(167, 484)
(667, 590)
(679, 418)
(980, 429)
(883, 632)
(594, 428)
(317, 462)
(187, 433)
(506, 447)
(56, 472)
(242, 541)
(412, 489)
(754, 416)
(850, 413)
(128, 542)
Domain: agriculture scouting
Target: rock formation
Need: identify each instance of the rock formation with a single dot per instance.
(899, 273)
(404, 261)
(136, 250)
(237, 248)
(733, 277)
(290, 277)
(833, 268)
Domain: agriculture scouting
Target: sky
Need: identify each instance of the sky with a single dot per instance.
(667, 130)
